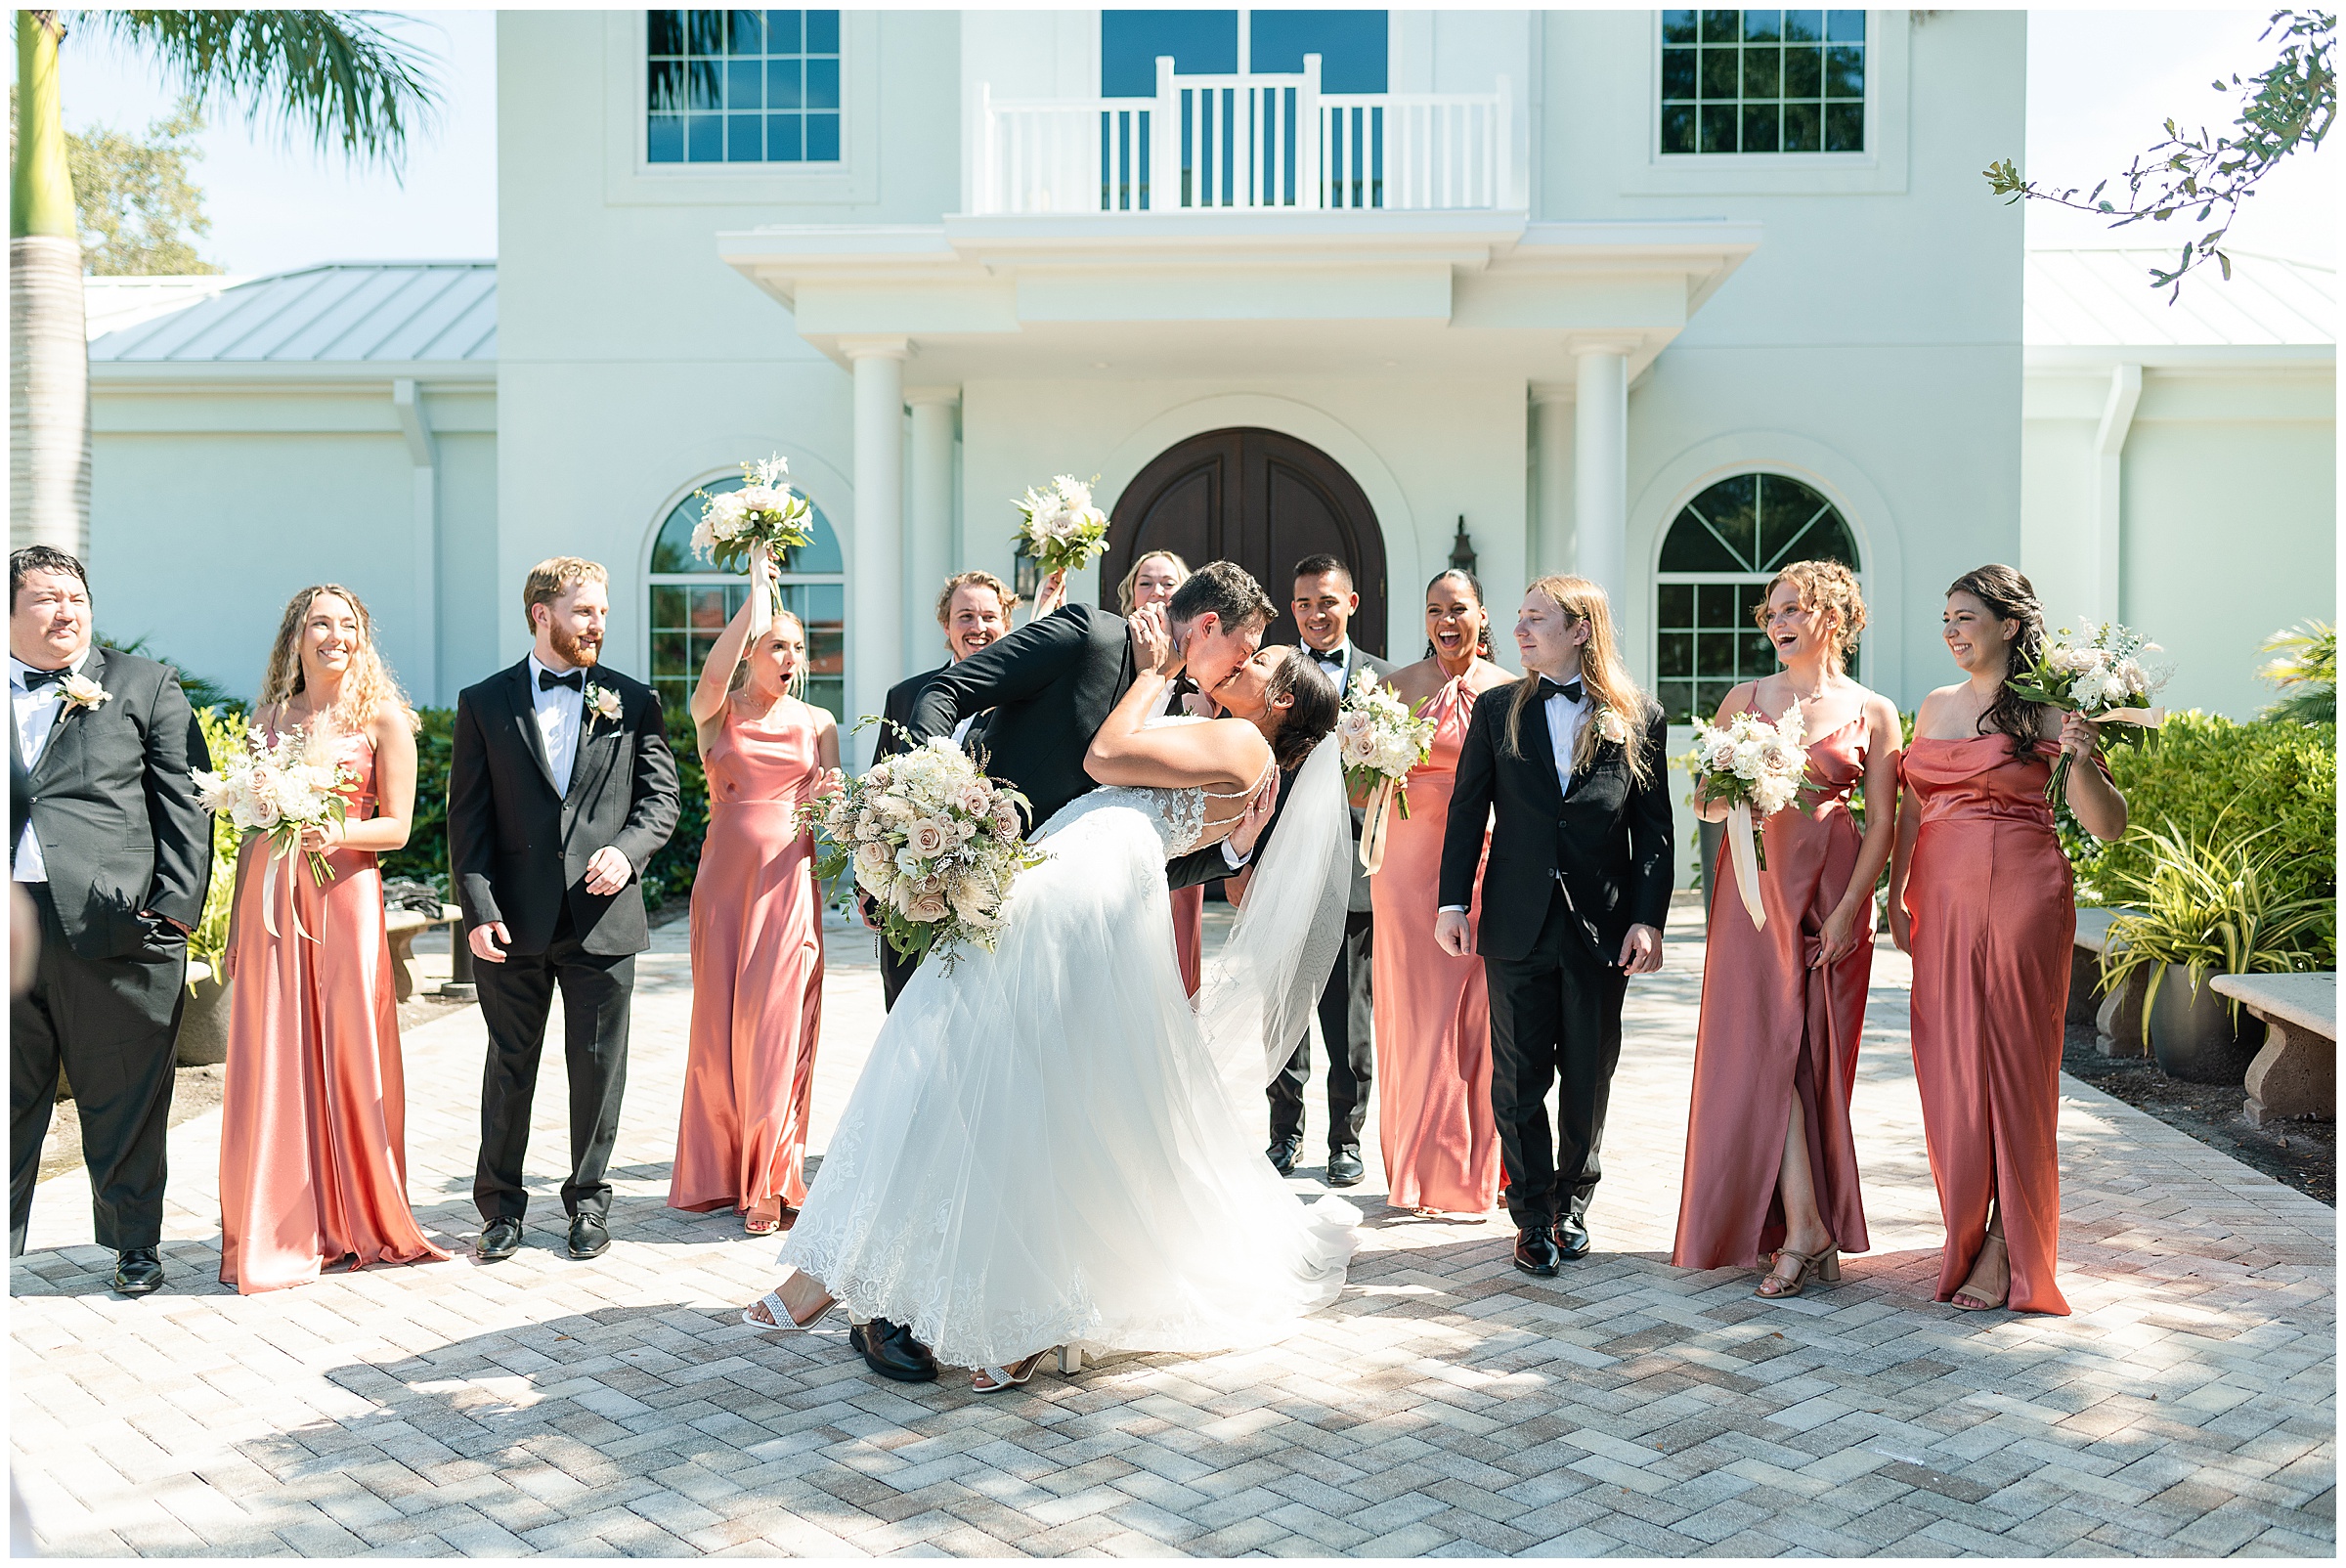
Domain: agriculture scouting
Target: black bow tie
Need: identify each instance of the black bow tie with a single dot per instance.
(35, 679)
(576, 680)
(1334, 655)
(1570, 691)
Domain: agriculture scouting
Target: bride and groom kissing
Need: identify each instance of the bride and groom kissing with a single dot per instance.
(1049, 1145)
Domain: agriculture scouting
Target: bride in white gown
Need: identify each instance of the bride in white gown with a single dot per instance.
(1048, 1146)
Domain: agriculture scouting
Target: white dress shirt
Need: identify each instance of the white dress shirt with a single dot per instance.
(37, 715)
(561, 711)
(1564, 720)
(1342, 675)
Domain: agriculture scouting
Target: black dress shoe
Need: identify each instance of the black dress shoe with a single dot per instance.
(588, 1236)
(1283, 1153)
(889, 1350)
(499, 1241)
(137, 1272)
(1571, 1238)
(1535, 1250)
(1344, 1167)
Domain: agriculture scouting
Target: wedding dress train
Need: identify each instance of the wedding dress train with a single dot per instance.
(1047, 1147)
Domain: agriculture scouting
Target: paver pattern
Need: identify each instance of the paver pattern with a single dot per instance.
(1447, 1406)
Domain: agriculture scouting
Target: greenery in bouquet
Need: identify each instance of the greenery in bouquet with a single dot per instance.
(1752, 763)
(1380, 738)
(764, 516)
(2097, 672)
(1060, 526)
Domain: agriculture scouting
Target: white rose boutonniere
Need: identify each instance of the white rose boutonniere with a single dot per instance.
(80, 691)
(603, 703)
(1610, 726)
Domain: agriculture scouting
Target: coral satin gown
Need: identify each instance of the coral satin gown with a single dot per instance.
(1993, 916)
(757, 971)
(1771, 1028)
(313, 1123)
(1432, 1011)
(1188, 934)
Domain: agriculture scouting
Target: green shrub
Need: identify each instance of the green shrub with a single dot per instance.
(224, 736)
(2263, 775)
(671, 873)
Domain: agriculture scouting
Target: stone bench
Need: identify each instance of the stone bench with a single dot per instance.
(404, 926)
(2117, 1018)
(2296, 1073)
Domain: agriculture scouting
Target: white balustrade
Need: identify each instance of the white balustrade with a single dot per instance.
(1254, 143)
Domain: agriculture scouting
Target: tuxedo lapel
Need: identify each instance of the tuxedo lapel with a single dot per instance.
(597, 742)
(525, 719)
(69, 715)
(1539, 752)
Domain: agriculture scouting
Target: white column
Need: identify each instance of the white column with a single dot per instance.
(422, 673)
(1601, 468)
(876, 573)
(2110, 460)
(1551, 478)
(928, 540)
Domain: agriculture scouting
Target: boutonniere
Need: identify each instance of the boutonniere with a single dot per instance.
(602, 702)
(80, 691)
(1610, 726)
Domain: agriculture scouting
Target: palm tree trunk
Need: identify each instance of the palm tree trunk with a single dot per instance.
(48, 347)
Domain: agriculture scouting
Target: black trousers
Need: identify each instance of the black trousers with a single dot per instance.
(111, 1023)
(1555, 1017)
(1345, 1015)
(516, 996)
(896, 973)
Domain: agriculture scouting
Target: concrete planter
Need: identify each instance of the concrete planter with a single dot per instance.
(203, 1020)
(2193, 1034)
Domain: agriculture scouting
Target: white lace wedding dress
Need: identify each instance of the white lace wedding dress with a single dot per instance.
(1045, 1149)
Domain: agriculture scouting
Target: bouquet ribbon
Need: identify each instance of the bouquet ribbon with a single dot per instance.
(280, 851)
(1377, 830)
(1745, 853)
(761, 591)
(2148, 718)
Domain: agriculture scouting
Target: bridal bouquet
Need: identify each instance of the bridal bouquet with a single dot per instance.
(936, 844)
(2097, 672)
(1059, 526)
(1380, 738)
(750, 529)
(279, 785)
(1756, 767)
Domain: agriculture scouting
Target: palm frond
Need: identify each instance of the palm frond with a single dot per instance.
(336, 74)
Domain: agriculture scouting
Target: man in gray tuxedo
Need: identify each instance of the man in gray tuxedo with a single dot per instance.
(115, 858)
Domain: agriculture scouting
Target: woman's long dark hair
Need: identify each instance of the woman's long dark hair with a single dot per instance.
(1313, 714)
(2009, 596)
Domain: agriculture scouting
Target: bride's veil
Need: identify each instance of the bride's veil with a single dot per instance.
(1259, 991)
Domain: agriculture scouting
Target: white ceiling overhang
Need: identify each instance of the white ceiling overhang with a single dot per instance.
(1218, 294)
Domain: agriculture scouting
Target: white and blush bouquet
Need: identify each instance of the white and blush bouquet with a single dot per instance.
(279, 785)
(752, 528)
(933, 841)
(2097, 672)
(1757, 768)
(1380, 738)
(1059, 526)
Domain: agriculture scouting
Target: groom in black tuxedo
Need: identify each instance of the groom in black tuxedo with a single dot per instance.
(561, 788)
(1574, 896)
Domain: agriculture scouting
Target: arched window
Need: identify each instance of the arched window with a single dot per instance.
(1717, 558)
(692, 600)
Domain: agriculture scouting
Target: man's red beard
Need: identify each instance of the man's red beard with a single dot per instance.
(573, 650)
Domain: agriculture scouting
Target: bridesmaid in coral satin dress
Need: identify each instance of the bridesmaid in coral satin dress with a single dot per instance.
(1981, 895)
(312, 1141)
(756, 933)
(1432, 1011)
(1771, 1163)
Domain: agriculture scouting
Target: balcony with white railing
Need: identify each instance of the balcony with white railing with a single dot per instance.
(1251, 143)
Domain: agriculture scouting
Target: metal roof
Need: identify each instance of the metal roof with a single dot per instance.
(110, 304)
(343, 312)
(2102, 298)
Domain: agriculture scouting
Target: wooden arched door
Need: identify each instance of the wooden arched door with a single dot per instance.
(1262, 500)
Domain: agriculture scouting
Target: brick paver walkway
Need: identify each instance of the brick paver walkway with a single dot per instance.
(1447, 1406)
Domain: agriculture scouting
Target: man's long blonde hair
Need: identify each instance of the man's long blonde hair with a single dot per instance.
(368, 689)
(1603, 679)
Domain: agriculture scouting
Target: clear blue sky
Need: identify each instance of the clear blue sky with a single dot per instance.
(2100, 84)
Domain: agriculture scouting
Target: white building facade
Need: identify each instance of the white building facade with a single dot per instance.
(1667, 298)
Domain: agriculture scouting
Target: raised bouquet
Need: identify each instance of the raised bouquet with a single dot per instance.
(933, 841)
(2098, 672)
(1059, 526)
(752, 528)
(281, 785)
(1757, 768)
(1380, 738)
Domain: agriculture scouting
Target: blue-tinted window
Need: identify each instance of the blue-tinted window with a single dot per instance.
(742, 86)
(1203, 43)
(1350, 44)
(1762, 81)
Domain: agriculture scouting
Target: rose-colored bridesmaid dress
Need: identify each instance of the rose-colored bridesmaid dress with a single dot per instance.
(1188, 934)
(756, 973)
(1432, 1011)
(1771, 1028)
(1994, 915)
(313, 1120)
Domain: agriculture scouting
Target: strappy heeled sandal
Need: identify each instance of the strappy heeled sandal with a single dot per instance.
(781, 1318)
(1977, 1302)
(998, 1378)
(1822, 1265)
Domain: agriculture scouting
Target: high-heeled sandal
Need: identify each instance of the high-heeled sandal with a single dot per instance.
(758, 1223)
(1823, 1266)
(998, 1378)
(1981, 1303)
(781, 1318)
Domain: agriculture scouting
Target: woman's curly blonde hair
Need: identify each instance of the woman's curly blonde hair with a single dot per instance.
(368, 689)
(1824, 588)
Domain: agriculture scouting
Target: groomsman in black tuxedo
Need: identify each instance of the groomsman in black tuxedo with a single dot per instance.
(115, 852)
(1323, 604)
(561, 788)
(974, 610)
(1570, 759)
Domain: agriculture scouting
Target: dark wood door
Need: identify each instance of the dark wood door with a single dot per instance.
(1262, 500)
